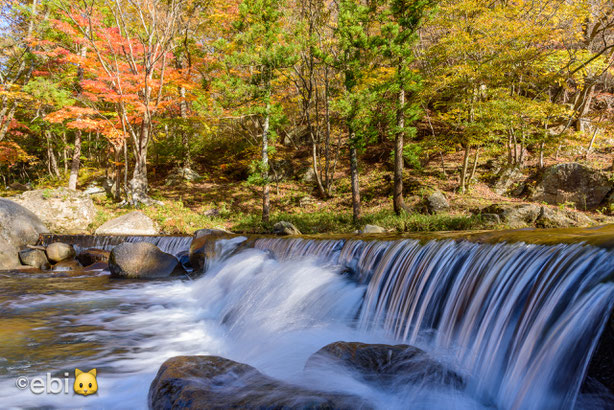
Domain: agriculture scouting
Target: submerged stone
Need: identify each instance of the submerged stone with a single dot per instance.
(386, 365)
(216, 382)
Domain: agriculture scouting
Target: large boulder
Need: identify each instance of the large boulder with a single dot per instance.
(64, 211)
(285, 228)
(142, 260)
(526, 215)
(386, 365)
(133, 223)
(586, 188)
(59, 251)
(18, 225)
(214, 382)
(34, 257)
(9, 258)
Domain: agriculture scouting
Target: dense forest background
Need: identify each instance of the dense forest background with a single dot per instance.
(277, 105)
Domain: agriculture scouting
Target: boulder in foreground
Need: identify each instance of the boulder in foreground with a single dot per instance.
(142, 260)
(133, 223)
(34, 257)
(386, 365)
(18, 225)
(214, 382)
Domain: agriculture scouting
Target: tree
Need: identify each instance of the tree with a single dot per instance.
(260, 55)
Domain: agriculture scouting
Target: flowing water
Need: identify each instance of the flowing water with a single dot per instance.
(519, 321)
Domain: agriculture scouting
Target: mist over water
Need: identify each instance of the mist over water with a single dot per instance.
(520, 321)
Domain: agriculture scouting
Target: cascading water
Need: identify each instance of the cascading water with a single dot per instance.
(521, 321)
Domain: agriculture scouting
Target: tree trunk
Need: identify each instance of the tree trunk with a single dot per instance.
(139, 183)
(76, 162)
(475, 165)
(65, 152)
(185, 138)
(53, 164)
(463, 176)
(356, 211)
(266, 200)
(541, 155)
(397, 200)
(118, 173)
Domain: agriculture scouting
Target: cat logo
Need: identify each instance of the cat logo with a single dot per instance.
(85, 383)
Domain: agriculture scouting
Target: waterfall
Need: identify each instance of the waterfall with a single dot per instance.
(169, 244)
(523, 319)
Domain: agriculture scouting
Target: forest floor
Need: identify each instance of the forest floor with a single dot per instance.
(218, 201)
(221, 199)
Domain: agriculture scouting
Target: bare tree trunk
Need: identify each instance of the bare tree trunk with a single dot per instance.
(541, 154)
(475, 164)
(118, 173)
(76, 162)
(397, 201)
(185, 138)
(463, 176)
(53, 164)
(266, 200)
(356, 211)
(139, 183)
(125, 149)
(65, 152)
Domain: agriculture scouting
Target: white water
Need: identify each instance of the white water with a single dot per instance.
(274, 314)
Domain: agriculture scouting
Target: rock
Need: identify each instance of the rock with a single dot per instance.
(142, 260)
(285, 228)
(58, 251)
(436, 203)
(372, 229)
(63, 210)
(203, 248)
(91, 256)
(94, 190)
(309, 175)
(95, 267)
(182, 174)
(386, 365)
(515, 215)
(586, 188)
(133, 223)
(602, 362)
(509, 180)
(18, 225)
(215, 382)
(34, 257)
(524, 215)
(491, 219)
(67, 265)
(9, 259)
(212, 213)
(306, 201)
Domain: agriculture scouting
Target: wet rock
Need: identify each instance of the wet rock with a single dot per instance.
(9, 258)
(91, 256)
(600, 374)
(367, 229)
(386, 365)
(142, 260)
(215, 382)
(285, 228)
(97, 266)
(67, 265)
(62, 210)
(203, 247)
(34, 257)
(133, 223)
(18, 225)
(586, 188)
(509, 180)
(58, 251)
(436, 203)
